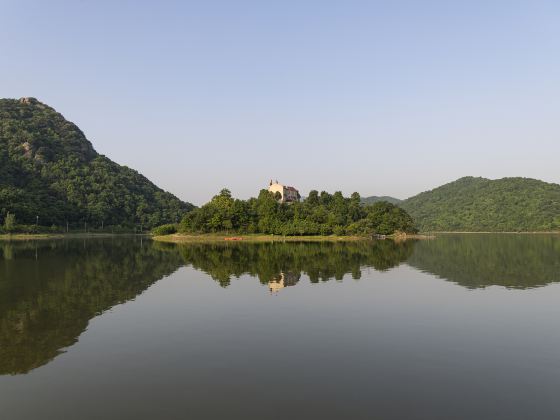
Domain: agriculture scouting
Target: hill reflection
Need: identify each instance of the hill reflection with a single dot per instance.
(49, 290)
(481, 260)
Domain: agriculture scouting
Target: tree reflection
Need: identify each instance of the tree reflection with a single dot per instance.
(269, 262)
(481, 260)
(49, 290)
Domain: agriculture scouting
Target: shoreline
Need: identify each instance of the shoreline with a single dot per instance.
(44, 236)
(251, 238)
(445, 232)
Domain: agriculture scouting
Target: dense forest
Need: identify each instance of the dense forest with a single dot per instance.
(50, 174)
(479, 204)
(318, 214)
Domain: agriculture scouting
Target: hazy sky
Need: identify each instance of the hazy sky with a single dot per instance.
(379, 97)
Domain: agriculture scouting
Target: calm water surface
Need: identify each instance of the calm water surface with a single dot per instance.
(460, 327)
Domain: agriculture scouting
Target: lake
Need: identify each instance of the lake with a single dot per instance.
(458, 327)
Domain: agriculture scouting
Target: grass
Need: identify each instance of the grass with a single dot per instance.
(538, 232)
(207, 237)
(28, 236)
(39, 236)
(220, 237)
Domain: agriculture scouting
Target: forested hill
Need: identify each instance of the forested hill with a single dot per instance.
(479, 204)
(376, 198)
(49, 169)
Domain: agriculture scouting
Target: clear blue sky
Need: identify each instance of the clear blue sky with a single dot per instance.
(379, 97)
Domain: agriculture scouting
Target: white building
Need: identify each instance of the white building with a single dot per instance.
(287, 194)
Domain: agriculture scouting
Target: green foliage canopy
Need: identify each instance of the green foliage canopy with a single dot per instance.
(319, 214)
(479, 204)
(49, 169)
(10, 222)
(168, 229)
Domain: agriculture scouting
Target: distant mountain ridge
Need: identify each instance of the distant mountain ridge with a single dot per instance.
(480, 204)
(50, 173)
(375, 198)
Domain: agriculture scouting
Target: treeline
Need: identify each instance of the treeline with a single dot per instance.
(11, 225)
(319, 214)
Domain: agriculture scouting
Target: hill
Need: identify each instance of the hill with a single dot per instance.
(376, 199)
(480, 204)
(49, 169)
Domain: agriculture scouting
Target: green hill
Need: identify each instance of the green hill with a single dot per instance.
(376, 198)
(479, 204)
(49, 169)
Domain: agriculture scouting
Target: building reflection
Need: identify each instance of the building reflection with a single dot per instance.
(287, 279)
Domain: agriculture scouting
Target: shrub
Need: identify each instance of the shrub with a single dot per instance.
(10, 223)
(164, 230)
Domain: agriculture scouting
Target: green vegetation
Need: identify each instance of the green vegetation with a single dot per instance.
(376, 198)
(9, 223)
(51, 175)
(479, 204)
(182, 238)
(168, 229)
(319, 214)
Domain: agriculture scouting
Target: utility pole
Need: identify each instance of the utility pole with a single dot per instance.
(37, 221)
(102, 222)
(67, 226)
(85, 227)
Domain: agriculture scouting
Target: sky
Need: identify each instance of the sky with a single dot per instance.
(380, 97)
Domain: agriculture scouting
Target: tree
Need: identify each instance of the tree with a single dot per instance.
(313, 197)
(323, 214)
(10, 222)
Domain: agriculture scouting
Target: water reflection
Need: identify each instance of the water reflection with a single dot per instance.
(283, 280)
(49, 290)
(280, 264)
(514, 261)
